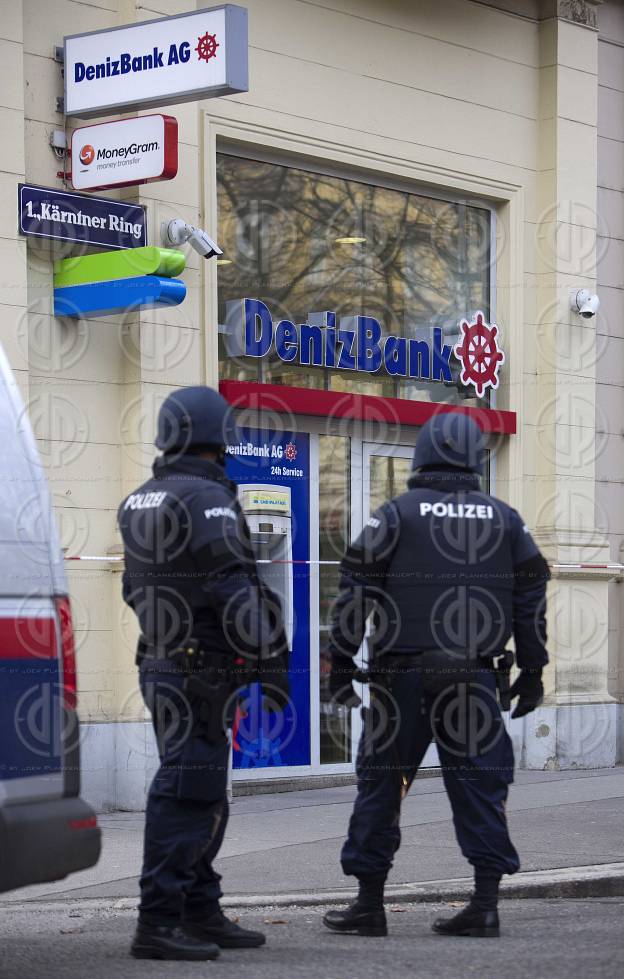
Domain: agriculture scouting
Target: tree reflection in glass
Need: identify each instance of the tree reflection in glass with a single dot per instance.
(305, 243)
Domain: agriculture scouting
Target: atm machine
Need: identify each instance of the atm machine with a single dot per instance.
(268, 512)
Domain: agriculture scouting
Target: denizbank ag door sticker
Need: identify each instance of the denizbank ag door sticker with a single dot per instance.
(272, 471)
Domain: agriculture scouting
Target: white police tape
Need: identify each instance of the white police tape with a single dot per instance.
(119, 557)
(616, 568)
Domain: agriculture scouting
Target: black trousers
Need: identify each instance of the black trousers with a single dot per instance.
(477, 762)
(187, 808)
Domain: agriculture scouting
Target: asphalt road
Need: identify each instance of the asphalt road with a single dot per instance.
(541, 938)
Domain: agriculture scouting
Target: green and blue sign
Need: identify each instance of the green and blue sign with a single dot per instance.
(117, 282)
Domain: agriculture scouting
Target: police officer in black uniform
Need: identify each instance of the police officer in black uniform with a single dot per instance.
(208, 626)
(450, 573)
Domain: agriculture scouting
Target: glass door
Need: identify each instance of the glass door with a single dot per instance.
(354, 478)
(337, 523)
(386, 469)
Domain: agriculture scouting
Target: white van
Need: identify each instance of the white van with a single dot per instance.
(46, 830)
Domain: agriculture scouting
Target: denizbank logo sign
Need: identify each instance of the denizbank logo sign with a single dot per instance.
(158, 62)
(357, 343)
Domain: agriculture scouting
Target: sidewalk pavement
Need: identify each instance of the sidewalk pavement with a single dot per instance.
(286, 846)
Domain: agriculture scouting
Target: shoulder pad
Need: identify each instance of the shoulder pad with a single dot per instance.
(375, 545)
(219, 528)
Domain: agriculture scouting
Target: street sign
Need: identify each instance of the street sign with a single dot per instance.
(192, 56)
(64, 216)
(119, 154)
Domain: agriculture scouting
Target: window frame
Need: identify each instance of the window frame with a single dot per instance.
(314, 426)
(368, 177)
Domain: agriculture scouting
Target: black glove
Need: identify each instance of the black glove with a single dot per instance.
(529, 690)
(343, 670)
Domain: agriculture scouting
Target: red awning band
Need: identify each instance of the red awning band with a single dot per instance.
(282, 399)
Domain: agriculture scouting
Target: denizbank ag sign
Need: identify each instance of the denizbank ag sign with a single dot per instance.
(357, 343)
(157, 62)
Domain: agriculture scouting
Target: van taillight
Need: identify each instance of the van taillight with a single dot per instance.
(68, 650)
(89, 822)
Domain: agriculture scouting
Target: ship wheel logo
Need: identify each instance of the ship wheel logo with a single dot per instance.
(479, 354)
(207, 47)
(290, 451)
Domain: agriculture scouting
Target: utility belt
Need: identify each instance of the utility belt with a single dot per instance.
(209, 677)
(442, 668)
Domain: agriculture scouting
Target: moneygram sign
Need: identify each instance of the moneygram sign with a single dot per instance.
(118, 154)
(198, 55)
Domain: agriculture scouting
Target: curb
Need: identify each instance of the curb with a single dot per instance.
(598, 880)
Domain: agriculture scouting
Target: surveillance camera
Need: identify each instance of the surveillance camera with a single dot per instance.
(177, 232)
(590, 307)
(585, 303)
(203, 244)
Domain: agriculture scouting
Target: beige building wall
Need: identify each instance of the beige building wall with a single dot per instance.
(92, 387)
(497, 102)
(610, 389)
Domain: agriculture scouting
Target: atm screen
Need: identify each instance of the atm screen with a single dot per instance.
(274, 567)
(267, 509)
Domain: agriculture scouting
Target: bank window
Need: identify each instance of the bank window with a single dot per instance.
(309, 245)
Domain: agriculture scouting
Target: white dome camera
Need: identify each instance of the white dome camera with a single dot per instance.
(177, 232)
(584, 302)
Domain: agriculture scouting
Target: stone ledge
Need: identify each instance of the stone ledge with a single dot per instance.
(582, 12)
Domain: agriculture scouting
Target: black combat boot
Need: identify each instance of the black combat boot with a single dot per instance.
(366, 916)
(479, 919)
(223, 932)
(469, 921)
(166, 942)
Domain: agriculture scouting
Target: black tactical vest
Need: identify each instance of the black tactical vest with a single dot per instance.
(450, 580)
(162, 524)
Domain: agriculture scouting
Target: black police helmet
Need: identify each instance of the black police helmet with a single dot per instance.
(193, 417)
(450, 440)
